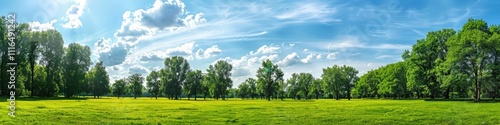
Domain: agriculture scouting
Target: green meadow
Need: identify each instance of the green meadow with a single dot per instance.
(237, 111)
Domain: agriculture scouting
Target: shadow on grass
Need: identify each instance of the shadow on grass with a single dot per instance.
(471, 100)
(4, 99)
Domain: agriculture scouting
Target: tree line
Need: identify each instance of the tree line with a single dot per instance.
(445, 64)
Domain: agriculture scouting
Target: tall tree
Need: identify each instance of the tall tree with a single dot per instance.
(175, 71)
(305, 81)
(269, 76)
(293, 86)
(244, 90)
(153, 83)
(76, 62)
(193, 83)
(350, 77)
(119, 87)
(315, 88)
(252, 84)
(468, 52)
(135, 82)
(99, 80)
(219, 78)
(333, 80)
(52, 51)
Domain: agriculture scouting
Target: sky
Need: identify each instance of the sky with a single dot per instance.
(132, 36)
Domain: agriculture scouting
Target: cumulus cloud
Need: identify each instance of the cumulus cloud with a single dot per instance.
(319, 56)
(290, 59)
(151, 57)
(272, 58)
(168, 15)
(308, 58)
(209, 52)
(137, 69)
(37, 26)
(110, 53)
(331, 56)
(306, 50)
(185, 50)
(74, 13)
(265, 49)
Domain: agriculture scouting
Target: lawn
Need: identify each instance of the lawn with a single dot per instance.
(237, 111)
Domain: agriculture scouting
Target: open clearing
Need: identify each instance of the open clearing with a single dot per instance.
(237, 111)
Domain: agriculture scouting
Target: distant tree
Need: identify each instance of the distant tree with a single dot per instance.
(350, 77)
(174, 75)
(269, 76)
(244, 90)
(99, 80)
(252, 84)
(193, 85)
(153, 83)
(219, 79)
(333, 80)
(135, 82)
(293, 86)
(305, 81)
(315, 88)
(119, 87)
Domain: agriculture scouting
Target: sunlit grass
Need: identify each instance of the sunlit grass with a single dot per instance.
(237, 111)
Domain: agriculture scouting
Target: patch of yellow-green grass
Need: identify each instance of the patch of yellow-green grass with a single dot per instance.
(237, 111)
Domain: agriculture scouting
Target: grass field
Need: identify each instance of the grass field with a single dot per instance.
(237, 111)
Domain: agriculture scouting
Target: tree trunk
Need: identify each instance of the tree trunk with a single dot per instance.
(337, 95)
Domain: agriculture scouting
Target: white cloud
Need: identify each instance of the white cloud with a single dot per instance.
(137, 69)
(209, 52)
(74, 13)
(354, 42)
(272, 58)
(110, 53)
(319, 56)
(331, 56)
(185, 49)
(37, 26)
(166, 15)
(306, 50)
(290, 59)
(265, 49)
(308, 58)
(309, 11)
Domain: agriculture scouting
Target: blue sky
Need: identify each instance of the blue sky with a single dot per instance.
(300, 36)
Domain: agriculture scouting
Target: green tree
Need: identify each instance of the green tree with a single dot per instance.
(193, 85)
(135, 82)
(305, 81)
(76, 62)
(333, 80)
(350, 77)
(119, 87)
(293, 86)
(219, 78)
(252, 83)
(153, 83)
(315, 88)
(52, 51)
(269, 76)
(468, 53)
(244, 90)
(99, 80)
(174, 75)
